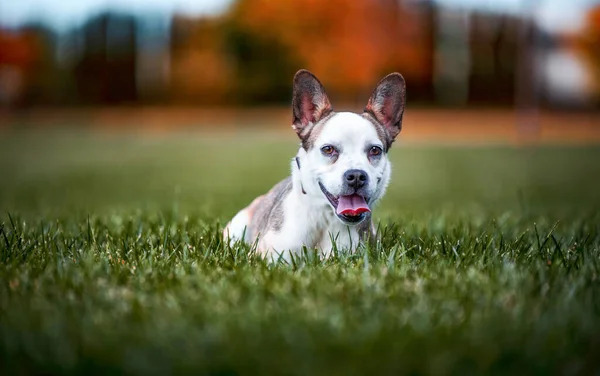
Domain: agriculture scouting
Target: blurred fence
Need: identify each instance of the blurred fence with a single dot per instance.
(248, 55)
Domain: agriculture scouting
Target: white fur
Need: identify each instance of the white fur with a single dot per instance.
(353, 134)
(309, 219)
(236, 229)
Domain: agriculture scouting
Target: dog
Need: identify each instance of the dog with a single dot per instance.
(340, 172)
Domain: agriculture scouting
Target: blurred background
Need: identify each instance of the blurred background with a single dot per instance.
(162, 64)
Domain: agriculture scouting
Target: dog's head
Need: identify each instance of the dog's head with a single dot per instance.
(343, 159)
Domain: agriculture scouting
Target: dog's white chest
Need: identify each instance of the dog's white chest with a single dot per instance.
(308, 226)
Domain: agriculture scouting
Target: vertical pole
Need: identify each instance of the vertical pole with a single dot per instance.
(527, 86)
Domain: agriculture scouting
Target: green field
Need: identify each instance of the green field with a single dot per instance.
(111, 262)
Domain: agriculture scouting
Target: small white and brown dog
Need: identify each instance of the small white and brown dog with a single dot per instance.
(340, 172)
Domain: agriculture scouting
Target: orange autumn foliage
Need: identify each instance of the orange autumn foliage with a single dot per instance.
(588, 44)
(199, 68)
(350, 44)
(17, 49)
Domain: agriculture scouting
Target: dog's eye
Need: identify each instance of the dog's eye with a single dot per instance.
(328, 150)
(375, 151)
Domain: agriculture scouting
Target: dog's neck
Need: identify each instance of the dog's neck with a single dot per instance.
(320, 221)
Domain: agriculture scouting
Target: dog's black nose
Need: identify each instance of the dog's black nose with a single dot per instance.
(355, 178)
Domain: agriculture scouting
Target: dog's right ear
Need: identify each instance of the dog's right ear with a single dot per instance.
(309, 103)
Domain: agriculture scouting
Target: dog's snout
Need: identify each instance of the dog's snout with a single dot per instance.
(356, 178)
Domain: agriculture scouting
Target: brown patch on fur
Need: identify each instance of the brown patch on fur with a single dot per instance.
(250, 209)
(268, 212)
(253, 206)
(318, 238)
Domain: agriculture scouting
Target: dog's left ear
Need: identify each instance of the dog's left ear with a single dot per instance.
(386, 104)
(310, 102)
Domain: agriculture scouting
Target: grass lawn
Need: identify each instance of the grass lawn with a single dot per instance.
(111, 262)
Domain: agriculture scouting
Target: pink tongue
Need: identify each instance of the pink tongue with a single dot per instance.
(352, 205)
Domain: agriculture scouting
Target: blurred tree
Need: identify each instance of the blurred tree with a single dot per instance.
(264, 66)
(249, 54)
(201, 71)
(106, 70)
(28, 69)
(348, 44)
(44, 79)
(18, 56)
(494, 58)
(589, 43)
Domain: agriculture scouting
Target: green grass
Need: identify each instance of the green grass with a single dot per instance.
(111, 262)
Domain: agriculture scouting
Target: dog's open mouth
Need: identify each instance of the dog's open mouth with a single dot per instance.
(349, 208)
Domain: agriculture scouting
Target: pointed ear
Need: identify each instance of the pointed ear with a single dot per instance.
(386, 104)
(309, 103)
